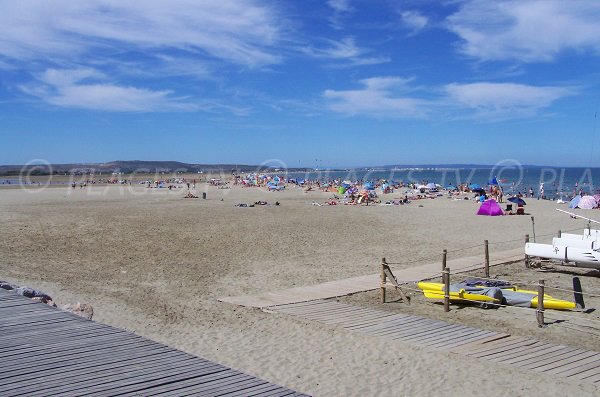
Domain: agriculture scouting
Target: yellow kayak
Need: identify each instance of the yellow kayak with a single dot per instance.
(436, 291)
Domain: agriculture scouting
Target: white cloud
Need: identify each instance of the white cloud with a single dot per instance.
(381, 97)
(396, 97)
(241, 32)
(496, 101)
(340, 5)
(345, 51)
(526, 31)
(88, 89)
(414, 21)
(340, 8)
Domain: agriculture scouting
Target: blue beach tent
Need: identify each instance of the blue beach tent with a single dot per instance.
(575, 201)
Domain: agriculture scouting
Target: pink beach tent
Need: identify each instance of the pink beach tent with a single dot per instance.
(491, 208)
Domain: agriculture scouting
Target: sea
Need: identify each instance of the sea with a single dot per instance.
(557, 182)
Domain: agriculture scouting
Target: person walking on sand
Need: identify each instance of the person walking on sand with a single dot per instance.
(541, 195)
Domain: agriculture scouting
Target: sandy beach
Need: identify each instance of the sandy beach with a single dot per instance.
(152, 262)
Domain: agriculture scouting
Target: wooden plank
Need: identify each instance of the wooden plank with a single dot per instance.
(508, 345)
(239, 389)
(137, 379)
(359, 326)
(572, 368)
(557, 364)
(474, 345)
(455, 339)
(421, 329)
(587, 371)
(237, 385)
(58, 383)
(340, 313)
(198, 384)
(571, 352)
(553, 353)
(42, 346)
(575, 367)
(61, 355)
(144, 383)
(81, 364)
(325, 318)
(408, 322)
(533, 352)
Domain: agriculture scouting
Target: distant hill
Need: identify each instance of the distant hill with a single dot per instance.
(128, 167)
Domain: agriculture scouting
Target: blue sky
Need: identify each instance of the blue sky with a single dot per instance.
(327, 83)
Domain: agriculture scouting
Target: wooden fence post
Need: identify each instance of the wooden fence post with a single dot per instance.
(487, 259)
(444, 259)
(540, 304)
(446, 280)
(559, 233)
(383, 279)
(526, 256)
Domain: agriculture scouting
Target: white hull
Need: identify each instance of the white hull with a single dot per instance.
(572, 243)
(579, 257)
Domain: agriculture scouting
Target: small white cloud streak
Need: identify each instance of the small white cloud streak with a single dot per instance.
(88, 89)
(396, 97)
(504, 100)
(379, 98)
(526, 31)
(414, 21)
(340, 8)
(345, 51)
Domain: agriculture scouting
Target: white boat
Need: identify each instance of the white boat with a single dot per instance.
(576, 243)
(571, 256)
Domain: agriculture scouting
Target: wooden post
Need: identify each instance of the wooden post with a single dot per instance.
(383, 279)
(487, 259)
(559, 233)
(540, 304)
(444, 259)
(446, 281)
(526, 256)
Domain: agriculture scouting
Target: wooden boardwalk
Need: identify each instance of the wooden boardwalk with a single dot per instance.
(49, 352)
(353, 285)
(526, 353)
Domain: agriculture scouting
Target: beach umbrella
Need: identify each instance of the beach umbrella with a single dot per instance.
(494, 181)
(451, 187)
(368, 186)
(422, 187)
(587, 203)
(490, 208)
(574, 202)
(430, 185)
(474, 186)
(517, 200)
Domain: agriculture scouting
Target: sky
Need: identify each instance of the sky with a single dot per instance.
(309, 83)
